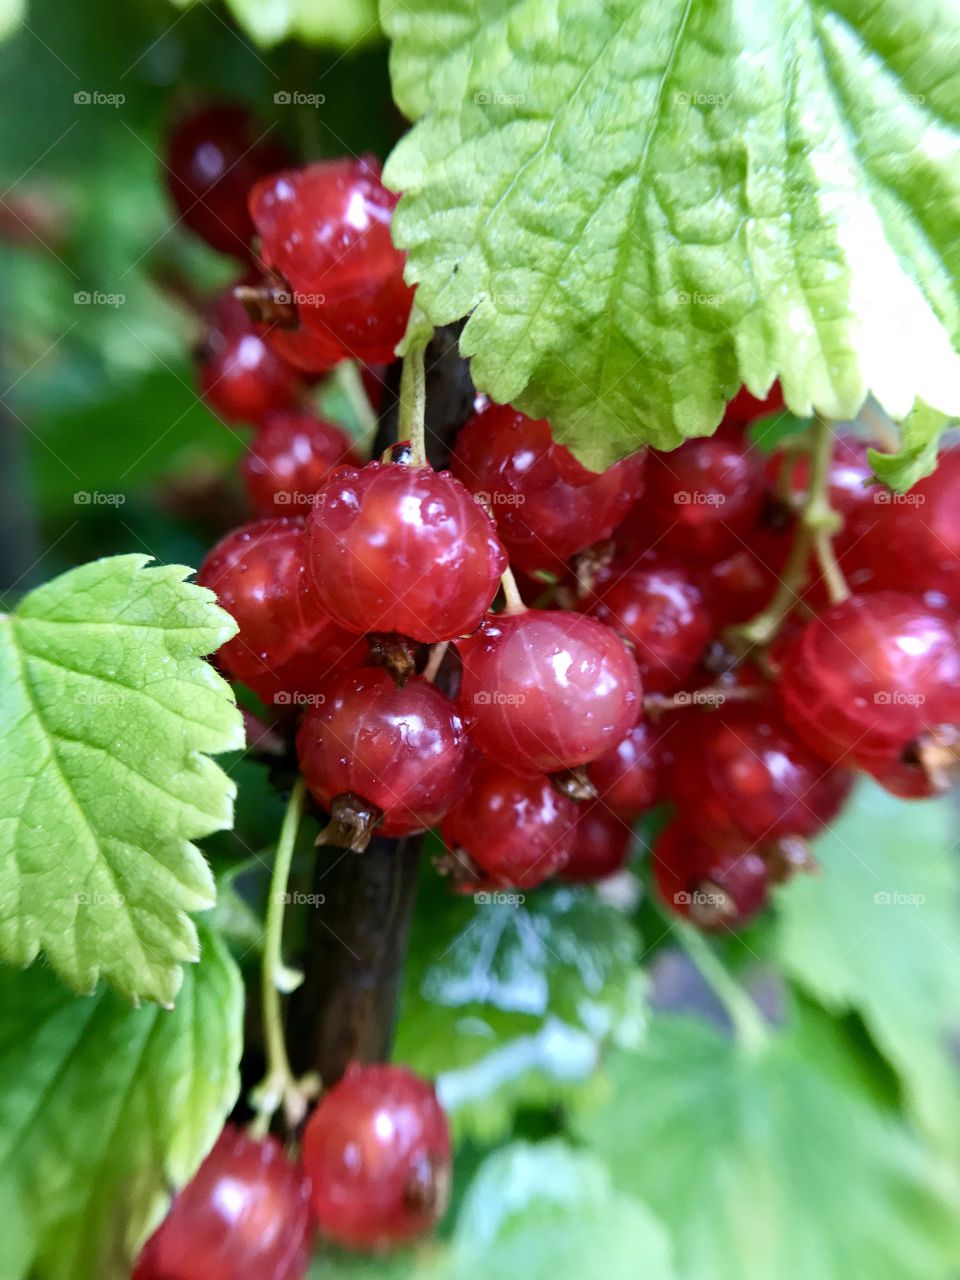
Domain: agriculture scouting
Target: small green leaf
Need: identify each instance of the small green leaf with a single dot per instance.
(107, 713)
(917, 457)
(768, 1165)
(345, 23)
(105, 1109)
(876, 933)
(643, 203)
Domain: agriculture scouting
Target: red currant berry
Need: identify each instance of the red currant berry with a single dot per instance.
(286, 643)
(715, 882)
(214, 157)
(403, 549)
(659, 611)
(398, 755)
(325, 228)
(298, 347)
(740, 768)
(601, 843)
(291, 458)
(546, 690)
(874, 681)
(377, 1150)
(628, 778)
(547, 506)
(743, 582)
(516, 831)
(245, 1213)
(241, 378)
(700, 501)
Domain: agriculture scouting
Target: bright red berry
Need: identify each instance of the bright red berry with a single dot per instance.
(403, 549)
(377, 1150)
(716, 882)
(245, 1213)
(662, 614)
(241, 378)
(286, 644)
(546, 504)
(214, 156)
(298, 347)
(628, 779)
(325, 229)
(516, 831)
(398, 755)
(291, 458)
(545, 690)
(601, 843)
(874, 682)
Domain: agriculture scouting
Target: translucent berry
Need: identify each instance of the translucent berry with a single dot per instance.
(286, 644)
(601, 843)
(718, 882)
(245, 1213)
(546, 690)
(546, 505)
(299, 348)
(629, 778)
(214, 156)
(291, 458)
(325, 229)
(516, 831)
(662, 614)
(241, 378)
(375, 755)
(377, 1150)
(875, 682)
(403, 549)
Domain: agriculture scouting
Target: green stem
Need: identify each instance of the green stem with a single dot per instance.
(748, 1025)
(411, 424)
(511, 593)
(818, 517)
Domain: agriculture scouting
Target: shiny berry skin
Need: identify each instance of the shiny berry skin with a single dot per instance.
(661, 613)
(403, 549)
(518, 831)
(700, 500)
(740, 768)
(868, 679)
(299, 348)
(214, 156)
(325, 228)
(402, 751)
(546, 690)
(628, 779)
(286, 643)
(241, 378)
(714, 882)
(378, 1153)
(601, 843)
(911, 542)
(245, 1213)
(290, 459)
(546, 505)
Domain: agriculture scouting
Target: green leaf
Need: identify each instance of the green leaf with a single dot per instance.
(876, 933)
(917, 457)
(641, 204)
(105, 1109)
(346, 23)
(510, 1004)
(107, 713)
(766, 1165)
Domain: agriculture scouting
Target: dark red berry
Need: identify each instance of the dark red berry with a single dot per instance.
(245, 1213)
(516, 831)
(291, 458)
(214, 157)
(325, 229)
(241, 378)
(546, 505)
(601, 843)
(546, 690)
(628, 778)
(377, 1150)
(403, 549)
(398, 752)
(715, 882)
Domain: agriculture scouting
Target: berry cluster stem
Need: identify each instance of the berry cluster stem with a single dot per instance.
(511, 593)
(413, 403)
(748, 1025)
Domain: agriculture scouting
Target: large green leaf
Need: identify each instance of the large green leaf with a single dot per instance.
(107, 713)
(877, 933)
(917, 456)
(642, 203)
(104, 1109)
(771, 1165)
